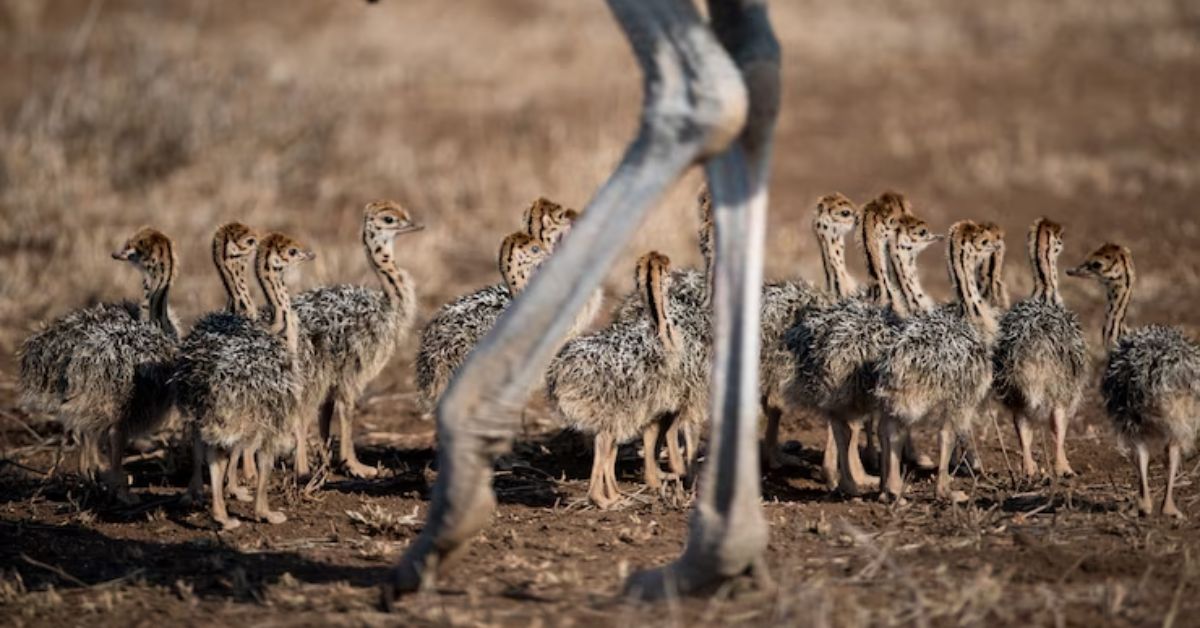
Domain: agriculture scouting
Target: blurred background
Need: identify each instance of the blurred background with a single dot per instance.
(184, 114)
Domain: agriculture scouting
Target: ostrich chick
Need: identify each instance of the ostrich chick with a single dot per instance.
(616, 383)
(355, 330)
(1151, 387)
(105, 370)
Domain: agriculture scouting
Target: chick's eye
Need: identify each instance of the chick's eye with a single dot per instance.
(1095, 265)
(251, 242)
(845, 213)
(924, 232)
(389, 219)
(293, 251)
(536, 249)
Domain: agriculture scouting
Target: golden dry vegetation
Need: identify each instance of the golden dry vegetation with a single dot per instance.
(291, 116)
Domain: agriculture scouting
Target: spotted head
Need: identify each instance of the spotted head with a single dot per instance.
(548, 221)
(233, 248)
(913, 235)
(234, 241)
(520, 256)
(835, 216)
(277, 253)
(1045, 239)
(152, 252)
(388, 219)
(1110, 264)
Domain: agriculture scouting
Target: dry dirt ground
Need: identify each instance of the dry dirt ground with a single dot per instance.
(184, 114)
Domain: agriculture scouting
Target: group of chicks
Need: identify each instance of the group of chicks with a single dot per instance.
(247, 380)
(884, 356)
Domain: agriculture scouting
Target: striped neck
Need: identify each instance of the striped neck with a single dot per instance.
(908, 280)
(962, 264)
(654, 284)
(158, 274)
(1119, 292)
(991, 279)
(281, 319)
(1044, 263)
(158, 301)
(397, 283)
(234, 271)
(833, 260)
(874, 240)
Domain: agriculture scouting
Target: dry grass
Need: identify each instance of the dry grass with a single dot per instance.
(182, 115)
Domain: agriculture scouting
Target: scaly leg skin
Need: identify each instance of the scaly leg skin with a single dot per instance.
(947, 438)
(88, 456)
(600, 492)
(776, 459)
(610, 468)
(695, 106)
(232, 486)
(841, 439)
(218, 462)
(858, 474)
(1061, 466)
(675, 458)
(262, 508)
(303, 471)
(650, 470)
(728, 533)
(830, 460)
(343, 410)
(1025, 438)
(249, 468)
(115, 477)
(1169, 509)
(1144, 505)
(891, 440)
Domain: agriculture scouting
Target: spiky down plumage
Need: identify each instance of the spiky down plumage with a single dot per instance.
(1151, 387)
(240, 384)
(616, 379)
(1040, 358)
(354, 331)
(459, 325)
(100, 366)
(784, 306)
(451, 334)
(939, 366)
(835, 351)
(692, 319)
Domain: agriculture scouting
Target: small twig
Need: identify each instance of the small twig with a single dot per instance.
(1003, 448)
(157, 454)
(7, 461)
(54, 570)
(25, 426)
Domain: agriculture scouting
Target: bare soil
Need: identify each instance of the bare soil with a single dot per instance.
(186, 114)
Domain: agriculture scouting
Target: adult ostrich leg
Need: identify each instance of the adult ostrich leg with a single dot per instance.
(728, 532)
(695, 107)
